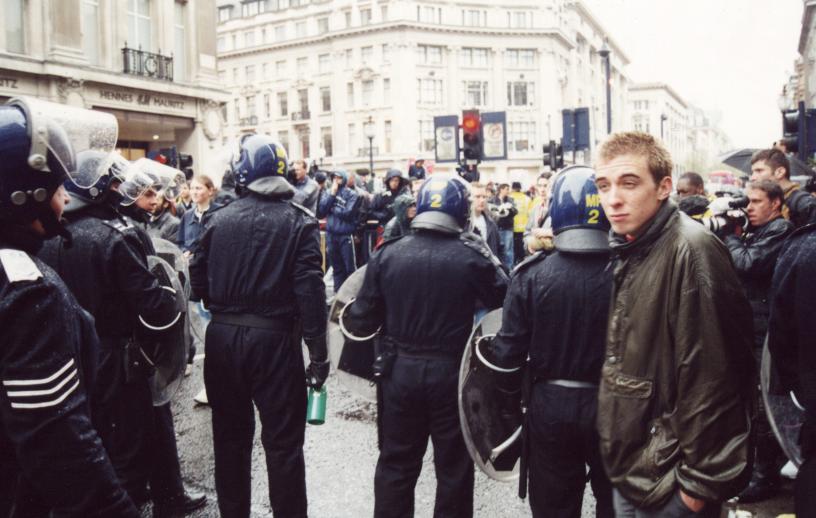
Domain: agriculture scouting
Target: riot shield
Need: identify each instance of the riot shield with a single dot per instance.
(352, 360)
(171, 253)
(167, 347)
(784, 413)
(492, 435)
(199, 320)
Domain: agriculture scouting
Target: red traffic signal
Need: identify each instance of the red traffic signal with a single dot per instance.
(472, 135)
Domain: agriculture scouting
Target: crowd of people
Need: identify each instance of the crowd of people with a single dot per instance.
(634, 315)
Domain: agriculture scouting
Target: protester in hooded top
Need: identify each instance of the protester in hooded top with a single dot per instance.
(404, 212)
(366, 181)
(340, 207)
(306, 189)
(163, 221)
(193, 221)
(536, 237)
(505, 211)
(522, 202)
(184, 202)
(381, 206)
(417, 170)
(754, 251)
(772, 164)
(481, 222)
(678, 380)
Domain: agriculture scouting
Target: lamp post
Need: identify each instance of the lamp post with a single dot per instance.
(604, 53)
(368, 130)
(663, 118)
(321, 154)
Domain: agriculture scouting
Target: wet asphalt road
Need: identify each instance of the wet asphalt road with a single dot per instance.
(340, 460)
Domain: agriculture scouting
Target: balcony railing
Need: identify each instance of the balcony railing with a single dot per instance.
(301, 115)
(363, 151)
(252, 120)
(148, 64)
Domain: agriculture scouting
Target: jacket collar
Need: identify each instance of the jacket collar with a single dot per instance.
(621, 246)
(19, 237)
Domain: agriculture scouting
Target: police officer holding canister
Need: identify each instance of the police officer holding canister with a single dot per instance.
(421, 290)
(51, 458)
(258, 270)
(555, 313)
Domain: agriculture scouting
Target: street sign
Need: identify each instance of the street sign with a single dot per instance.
(446, 138)
(494, 134)
(575, 129)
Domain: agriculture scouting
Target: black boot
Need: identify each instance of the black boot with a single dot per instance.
(180, 505)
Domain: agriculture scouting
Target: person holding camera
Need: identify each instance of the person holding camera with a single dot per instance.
(754, 251)
(504, 210)
(799, 206)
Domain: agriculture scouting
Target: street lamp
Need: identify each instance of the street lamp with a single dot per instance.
(663, 118)
(604, 53)
(321, 154)
(368, 130)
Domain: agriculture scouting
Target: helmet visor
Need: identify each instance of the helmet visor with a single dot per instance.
(60, 132)
(166, 180)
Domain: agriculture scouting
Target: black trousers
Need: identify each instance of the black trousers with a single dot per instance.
(245, 365)
(563, 442)
(420, 401)
(165, 472)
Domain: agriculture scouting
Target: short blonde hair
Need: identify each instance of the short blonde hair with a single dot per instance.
(641, 144)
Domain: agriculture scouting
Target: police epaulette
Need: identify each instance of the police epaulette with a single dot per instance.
(119, 224)
(304, 209)
(19, 266)
(530, 260)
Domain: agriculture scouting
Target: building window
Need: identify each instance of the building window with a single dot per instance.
(521, 136)
(429, 14)
(429, 55)
(90, 30)
(280, 33)
(426, 136)
(283, 138)
(524, 58)
(249, 9)
(280, 68)
(326, 140)
(267, 106)
(139, 23)
(265, 71)
(365, 16)
(475, 93)
(324, 63)
(350, 95)
(300, 30)
(236, 109)
(250, 106)
(349, 57)
(384, 13)
(322, 25)
(347, 16)
(366, 54)
(367, 92)
(302, 65)
(224, 13)
(235, 78)
(519, 19)
(303, 101)
(386, 91)
(263, 36)
(234, 39)
(474, 18)
(220, 44)
(222, 76)
(325, 98)
(473, 57)
(283, 104)
(429, 91)
(249, 38)
(179, 43)
(387, 137)
(352, 139)
(520, 93)
(386, 53)
(249, 73)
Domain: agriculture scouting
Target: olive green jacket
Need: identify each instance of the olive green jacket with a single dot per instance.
(677, 384)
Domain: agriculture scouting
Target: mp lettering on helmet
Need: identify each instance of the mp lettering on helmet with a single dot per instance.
(593, 200)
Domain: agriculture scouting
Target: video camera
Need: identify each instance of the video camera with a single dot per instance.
(727, 213)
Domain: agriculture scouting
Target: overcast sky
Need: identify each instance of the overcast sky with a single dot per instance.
(730, 56)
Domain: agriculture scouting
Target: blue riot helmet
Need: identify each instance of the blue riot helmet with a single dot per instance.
(443, 204)
(578, 220)
(101, 191)
(259, 156)
(38, 145)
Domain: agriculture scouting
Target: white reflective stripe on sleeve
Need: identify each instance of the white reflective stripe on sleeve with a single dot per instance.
(45, 404)
(44, 392)
(49, 379)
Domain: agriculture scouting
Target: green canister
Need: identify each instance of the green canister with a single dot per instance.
(316, 406)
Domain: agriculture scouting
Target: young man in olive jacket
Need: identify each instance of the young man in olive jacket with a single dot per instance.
(676, 393)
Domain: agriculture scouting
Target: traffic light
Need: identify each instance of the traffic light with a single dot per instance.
(554, 155)
(186, 164)
(472, 144)
(794, 130)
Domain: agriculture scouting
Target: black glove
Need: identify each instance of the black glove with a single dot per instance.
(318, 369)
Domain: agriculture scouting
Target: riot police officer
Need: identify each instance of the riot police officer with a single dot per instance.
(258, 270)
(555, 313)
(50, 454)
(421, 290)
(106, 268)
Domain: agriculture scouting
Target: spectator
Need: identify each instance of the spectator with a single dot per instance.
(690, 184)
(163, 222)
(754, 252)
(772, 164)
(504, 210)
(193, 222)
(404, 212)
(340, 207)
(417, 170)
(536, 236)
(691, 196)
(184, 201)
(381, 205)
(481, 221)
(306, 189)
(522, 202)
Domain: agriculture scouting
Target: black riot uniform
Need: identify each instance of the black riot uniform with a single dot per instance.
(106, 268)
(258, 269)
(421, 290)
(555, 313)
